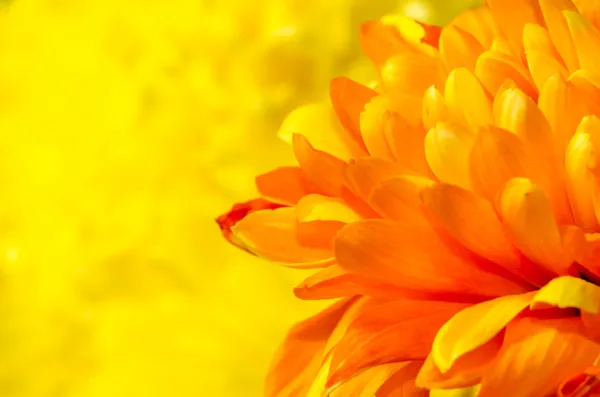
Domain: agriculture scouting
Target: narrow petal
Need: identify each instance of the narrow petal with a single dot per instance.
(399, 199)
(569, 292)
(321, 127)
(349, 99)
(559, 31)
(447, 149)
(325, 170)
(459, 48)
(586, 384)
(511, 158)
(471, 220)
(237, 213)
(474, 327)
(493, 68)
(286, 185)
(402, 383)
(298, 360)
(586, 40)
(334, 282)
(363, 175)
(466, 97)
(412, 73)
(415, 259)
(466, 371)
(272, 234)
(528, 218)
(553, 349)
(391, 332)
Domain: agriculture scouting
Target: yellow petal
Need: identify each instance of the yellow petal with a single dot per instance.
(569, 292)
(447, 150)
(399, 199)
(475, 326)
(435, 109)
(513, 15)
(412, 73)
(466, 97)
(464, 392)
(493, 68)
(315, 207)
(580, 180)
(528, 217)
(480, 23)
(372, 121)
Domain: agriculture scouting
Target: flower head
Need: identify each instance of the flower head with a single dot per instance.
(454, 207)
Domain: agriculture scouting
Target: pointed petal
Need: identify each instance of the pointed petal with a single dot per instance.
(447, 149)
(272, 234)
(297, 361)
(399, 199)
(325, 170)
(321, 127)
(364, 174)
(493, 68)
(412, 74)
(459, 49)
(466, 97)
(475, 326)
(553, 350)
(391, 332)
(285, 185)
(415, 259)
(466, 371)
(237, 213)
(349, 99)
(402, 383)
(471, 220)
(559, 31)
(569, 292)
(511, 158)
(528, 218)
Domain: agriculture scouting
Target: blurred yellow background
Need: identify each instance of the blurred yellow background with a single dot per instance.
(126, 127)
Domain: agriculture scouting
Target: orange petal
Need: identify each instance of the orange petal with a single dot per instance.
(471, 220)
(402, 383)
(474, 327)
(349, 99)
(586, 384)
(447, 149)
(590, 9)
(466, 97)
(272, 234)
(493, 68)
(579, 159)
(372, 122)
(298, 359)
(391, 332)
(380, 42)
(586, 40)
(364, 174)
(321, 127)
(366, 383)
(415, 259)
(432, 34)
(510, 157)
(285, 185)
(569, 292)
(412, 74)
(553, 350)
(459, 48)
(542, 58)
(334, 282)
(405, 142)
(466, 371)
(559, 31)
(480, 23)
(325, 170)
(513, 15)
(238, 212)
(528, 218)
(399, 199)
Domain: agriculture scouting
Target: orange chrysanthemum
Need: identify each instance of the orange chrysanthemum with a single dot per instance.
(455, 209)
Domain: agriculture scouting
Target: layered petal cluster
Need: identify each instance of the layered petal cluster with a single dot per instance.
(452, 208)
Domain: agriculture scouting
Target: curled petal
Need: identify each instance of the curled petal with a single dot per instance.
(569, 292)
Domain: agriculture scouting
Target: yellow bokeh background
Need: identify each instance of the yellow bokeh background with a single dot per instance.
(126, 127)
